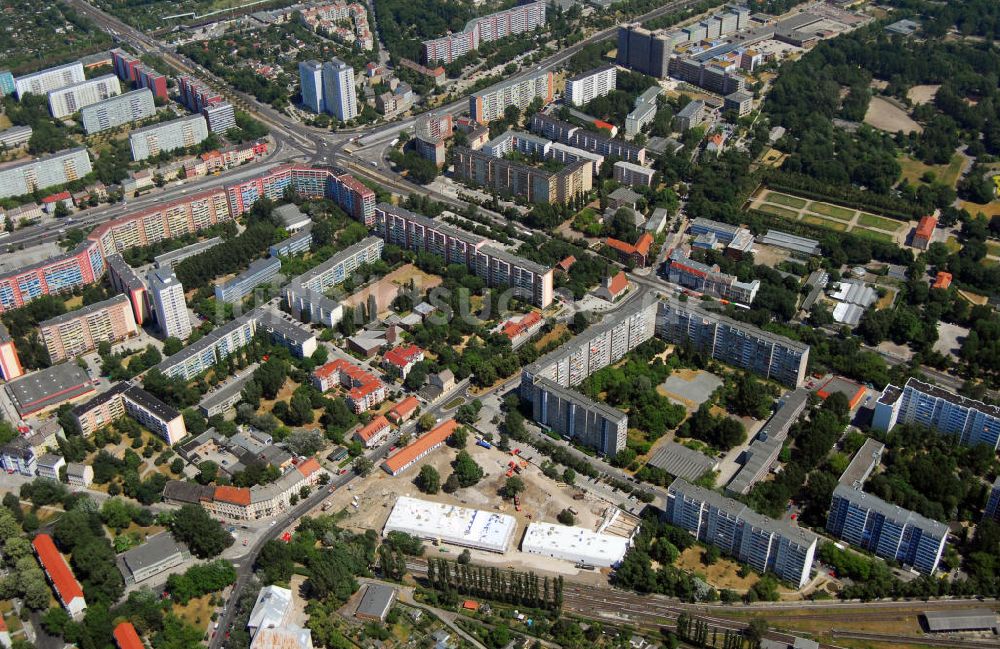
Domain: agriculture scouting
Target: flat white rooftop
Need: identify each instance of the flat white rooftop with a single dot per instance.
(462, 526)
(574, 544)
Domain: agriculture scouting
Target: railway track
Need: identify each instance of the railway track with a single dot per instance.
(934, 641)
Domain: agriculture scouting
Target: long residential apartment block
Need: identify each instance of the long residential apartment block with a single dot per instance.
(130, 69)
(597, 347)
(709, 280)
(132, 400)
(309, 182)
(115, 111)
(10, 362)
(516, 20)
(260, 272)
(887, 530)
(67, 100)
(306, 294)
(499, 268)
(590, 85)
(488, 105)
(971, 422)
(41, 82)
(733, 342)
(66, 587)
(178, 133)
(71, 334)
(581, 138)
(569, 413)
(81, 266)
(19, 178)
(513, 178)
(163, 221)
(763, 543)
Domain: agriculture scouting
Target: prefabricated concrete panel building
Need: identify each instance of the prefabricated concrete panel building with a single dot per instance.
(471, 528)
(574, 544)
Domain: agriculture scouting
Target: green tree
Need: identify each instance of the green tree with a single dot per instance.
(513, 486)
(429, 480)
(205, 536)
(566, 517)
(466, 471)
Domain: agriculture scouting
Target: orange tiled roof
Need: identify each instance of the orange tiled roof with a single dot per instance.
(643, 244)
(435, 436)
(618, 283)
(565, 264)
(309, 467)
(513, 329)
(926, 227)
(943, 280)
(234, 495)
(66, 585)
(126, 637)
(403, 355)
(373, 427)
(404, 408)
(621, 246)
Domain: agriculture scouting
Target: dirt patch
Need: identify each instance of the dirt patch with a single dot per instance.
(386, 289)
(922, 94)
(721, 574)
(557, 331)
(197, 612)
(888, 117)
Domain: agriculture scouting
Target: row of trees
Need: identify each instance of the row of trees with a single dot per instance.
(511, 587)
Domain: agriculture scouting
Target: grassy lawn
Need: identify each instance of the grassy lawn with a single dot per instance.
(953, 245)
(993, 248)
(196, 612)
(779, 211)
(873, 234)
(785, 199)
(872, 221)
(833, 211)
(989, 209)
(825, 223)
(454, 403)
(913, 169)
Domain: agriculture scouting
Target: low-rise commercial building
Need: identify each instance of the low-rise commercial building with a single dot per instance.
(17, 456)
(709, 280)
(763, 451)
(376, 602)
(576, 544)
(46, 389)
(158, 554)
(461, 526)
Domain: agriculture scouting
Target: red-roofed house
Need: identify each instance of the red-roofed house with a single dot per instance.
(613, 288)
(943, 280)
(309, 468)
(566, 264)
(126, 637)
(633, 254)
(400, 360)
(520, 329)
(49, 202)
(924, 232)
(364, 390)
(374, 433)
(610, 128)
(409, 455)
(67, 588)
(4, 633)
(403, 410)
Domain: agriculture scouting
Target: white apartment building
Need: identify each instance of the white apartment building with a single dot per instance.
(115, 111)
(167, 136)
(592, 84)
(67, 100)
(39, 83)
(19, 178)
(339, 94)
(167, 297)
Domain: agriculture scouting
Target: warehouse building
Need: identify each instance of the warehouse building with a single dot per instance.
(462, 526)
(966, 619)
(576, 544)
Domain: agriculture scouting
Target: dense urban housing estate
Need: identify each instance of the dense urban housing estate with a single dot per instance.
(18, 178)
(763, 543)
(72, 334)
(515, 20)
(488, 105)
(126, 398)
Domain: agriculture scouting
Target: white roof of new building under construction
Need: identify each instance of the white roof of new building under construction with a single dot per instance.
(472, 528)
(574, 544)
